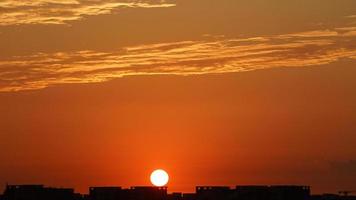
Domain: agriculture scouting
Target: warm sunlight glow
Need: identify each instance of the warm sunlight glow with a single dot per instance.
(159, 178)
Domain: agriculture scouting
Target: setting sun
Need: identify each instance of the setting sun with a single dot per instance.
(159, 178)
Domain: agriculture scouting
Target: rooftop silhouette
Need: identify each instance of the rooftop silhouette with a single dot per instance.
(246, 192)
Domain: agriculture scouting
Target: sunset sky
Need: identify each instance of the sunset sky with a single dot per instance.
(216, 92)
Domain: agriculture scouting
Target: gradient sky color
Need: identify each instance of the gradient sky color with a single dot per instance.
(216, 92)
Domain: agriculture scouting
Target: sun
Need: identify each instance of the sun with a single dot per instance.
(159, 178)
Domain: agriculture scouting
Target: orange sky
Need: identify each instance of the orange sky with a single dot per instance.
(215, 92)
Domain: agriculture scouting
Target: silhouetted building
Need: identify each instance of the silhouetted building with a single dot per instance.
(183, 196)
(254, 192)
(38, 192)
(148, 193)
(332, 197)
(134, 193)
(326, 197)
(105, 193)
(213, 192)
(175, 196)
(289, 192)
(189, 196)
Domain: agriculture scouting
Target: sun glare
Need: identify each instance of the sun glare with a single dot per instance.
(159, 178)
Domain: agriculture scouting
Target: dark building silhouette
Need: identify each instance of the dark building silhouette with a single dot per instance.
(134, 193)
(332, 197)
(289, 192)
(175, 196)
(212, 192)
(182, 196)
(105, 193)
(189, 196)
(252, 193)
(151, 193)
(38, 192)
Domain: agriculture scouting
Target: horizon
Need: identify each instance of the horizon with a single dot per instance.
(196, 188)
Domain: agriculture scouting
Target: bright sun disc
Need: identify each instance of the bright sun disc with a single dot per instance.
(159, 178)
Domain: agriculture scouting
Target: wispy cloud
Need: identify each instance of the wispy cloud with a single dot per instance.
(351, 16)
(16, 12)
(211, 55)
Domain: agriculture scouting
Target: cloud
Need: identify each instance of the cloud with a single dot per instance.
(351, 16)
(17, 12)
(211, 55)
(317, 33)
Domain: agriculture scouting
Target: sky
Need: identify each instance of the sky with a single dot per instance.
(216, 92)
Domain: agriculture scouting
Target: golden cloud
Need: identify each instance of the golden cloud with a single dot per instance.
(16, 12)
(211, 55)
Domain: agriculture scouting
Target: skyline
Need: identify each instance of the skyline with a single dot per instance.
(215, 92)
(39, 192)
(200, 188)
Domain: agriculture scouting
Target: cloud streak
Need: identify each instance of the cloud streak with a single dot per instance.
(17, 12)
(211, 55)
